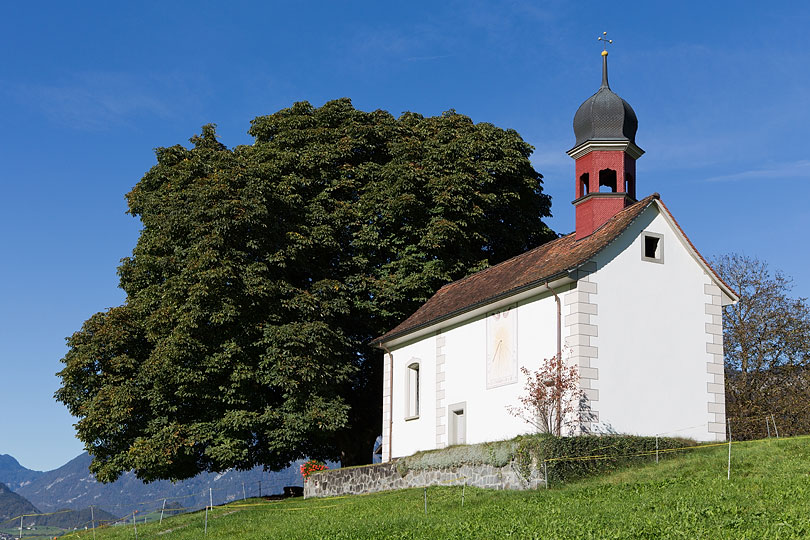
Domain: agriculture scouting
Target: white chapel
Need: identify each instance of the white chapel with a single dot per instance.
(626, 298)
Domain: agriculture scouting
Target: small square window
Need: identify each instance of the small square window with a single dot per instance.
(652, 247)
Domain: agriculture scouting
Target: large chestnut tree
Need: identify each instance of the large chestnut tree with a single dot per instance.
(263, 271)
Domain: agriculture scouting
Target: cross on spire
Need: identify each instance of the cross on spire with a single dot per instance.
(605, 41)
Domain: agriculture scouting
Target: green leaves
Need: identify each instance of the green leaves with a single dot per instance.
(262, 272)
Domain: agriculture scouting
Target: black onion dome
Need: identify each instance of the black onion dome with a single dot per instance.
(605, 115)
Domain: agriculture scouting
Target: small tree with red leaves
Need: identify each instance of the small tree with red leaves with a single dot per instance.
(552, 397)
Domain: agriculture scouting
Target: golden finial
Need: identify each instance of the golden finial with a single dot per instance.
(605, 41)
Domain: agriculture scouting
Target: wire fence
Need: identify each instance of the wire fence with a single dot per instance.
(766, 425)
(32, 526)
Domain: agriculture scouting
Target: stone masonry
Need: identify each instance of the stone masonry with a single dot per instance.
(714, 367)
(386, 442)
(580, 319)
(441, 412)
(386, 477)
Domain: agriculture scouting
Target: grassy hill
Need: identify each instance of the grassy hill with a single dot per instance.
(688, 496)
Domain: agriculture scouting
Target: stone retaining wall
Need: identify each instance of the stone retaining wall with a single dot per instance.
(385, 477)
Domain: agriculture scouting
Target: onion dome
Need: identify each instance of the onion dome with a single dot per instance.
(604, 115)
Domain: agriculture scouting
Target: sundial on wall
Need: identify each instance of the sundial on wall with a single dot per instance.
(501, 360)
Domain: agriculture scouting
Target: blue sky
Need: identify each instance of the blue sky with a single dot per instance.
(89, 89)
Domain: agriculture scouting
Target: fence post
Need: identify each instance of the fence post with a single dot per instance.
(163, 509)
(21, 526)
(260, 489)
(545, 473)
(728, 423)
(135, 525)
(425, 500)
(462, 493)
(656, 448)
(244, 493)
(205, 530)
(768, 427)
(774, 426)
(93, 521)
(211, 498)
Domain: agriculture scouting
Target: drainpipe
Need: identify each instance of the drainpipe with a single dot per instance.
(559, 357)
(390, 400)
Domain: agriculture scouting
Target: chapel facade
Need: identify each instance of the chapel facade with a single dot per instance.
(626, 298)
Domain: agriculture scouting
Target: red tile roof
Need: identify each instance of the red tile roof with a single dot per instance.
(535, 267)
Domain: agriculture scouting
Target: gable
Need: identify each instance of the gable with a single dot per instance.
(730, 296)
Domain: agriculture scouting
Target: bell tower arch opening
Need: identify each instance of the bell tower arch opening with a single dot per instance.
(584, 185)
(607, 180)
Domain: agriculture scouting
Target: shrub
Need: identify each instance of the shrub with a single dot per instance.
(552, 397)
(569, 458)
(497, 454)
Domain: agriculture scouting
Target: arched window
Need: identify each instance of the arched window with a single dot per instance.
(412, 392)
(607, 181)
(584, 188)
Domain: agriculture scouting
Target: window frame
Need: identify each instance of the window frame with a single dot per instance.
(660, 237)
(413, 391)
(452, 428)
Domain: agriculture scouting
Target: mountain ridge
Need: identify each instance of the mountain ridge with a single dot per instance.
(73, 486)
(14, 475)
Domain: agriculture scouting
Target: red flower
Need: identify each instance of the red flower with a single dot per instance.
(311, 466)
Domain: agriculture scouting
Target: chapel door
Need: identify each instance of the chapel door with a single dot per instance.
(458, 424)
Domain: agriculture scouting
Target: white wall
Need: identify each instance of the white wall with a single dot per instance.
(418, 434)
(651, 336)
(465, 378)
(487, 416)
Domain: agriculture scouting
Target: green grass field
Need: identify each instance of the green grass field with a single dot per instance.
(688, 496)
(39, 532)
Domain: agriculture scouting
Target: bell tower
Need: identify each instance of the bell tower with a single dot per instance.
(605, 152)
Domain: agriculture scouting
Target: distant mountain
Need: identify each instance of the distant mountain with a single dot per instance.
(13, 505)
(14, 475)
(72, 486)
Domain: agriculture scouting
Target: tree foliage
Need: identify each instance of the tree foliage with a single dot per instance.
(766, 338)
(262, 272)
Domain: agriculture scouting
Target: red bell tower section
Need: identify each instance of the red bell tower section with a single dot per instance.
(605, 152)
(605, 182)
